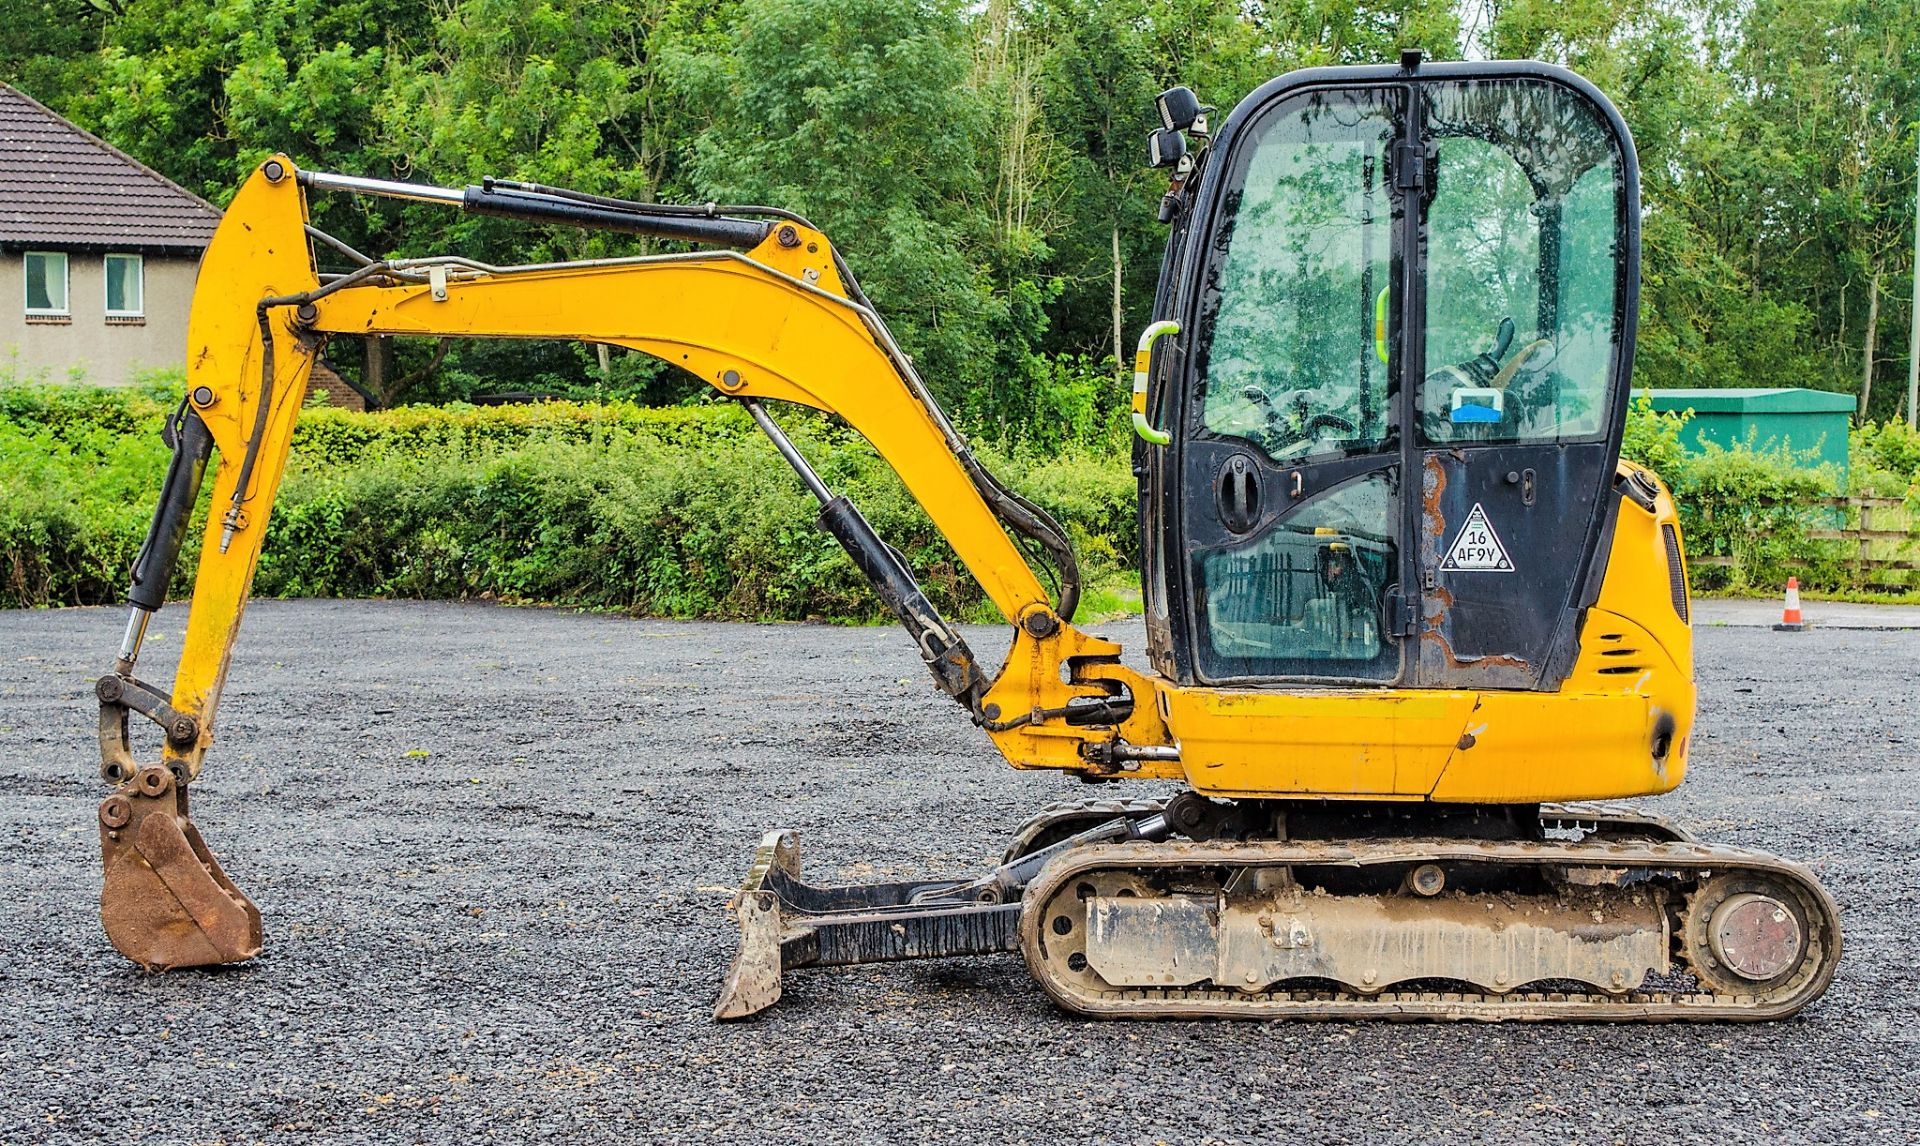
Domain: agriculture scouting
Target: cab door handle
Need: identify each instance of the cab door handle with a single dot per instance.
(1527, 483)
(1239, 494)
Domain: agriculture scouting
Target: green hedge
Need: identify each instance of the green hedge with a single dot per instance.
(669, 512)
(326, 436)
(686, 512)
(722, 529)
(1760, 508)
(75, 497)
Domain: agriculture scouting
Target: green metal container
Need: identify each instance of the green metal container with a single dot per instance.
(1799, 420)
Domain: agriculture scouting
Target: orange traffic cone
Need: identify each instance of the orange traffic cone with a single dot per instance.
(1790, 620)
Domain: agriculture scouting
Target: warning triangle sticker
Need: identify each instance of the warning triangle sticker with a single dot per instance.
(1477, 548)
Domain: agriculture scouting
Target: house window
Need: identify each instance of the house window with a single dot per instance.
(126, 293)
(46, 282)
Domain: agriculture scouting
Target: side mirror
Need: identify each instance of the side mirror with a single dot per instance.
(1179, 108)
(1165, 148)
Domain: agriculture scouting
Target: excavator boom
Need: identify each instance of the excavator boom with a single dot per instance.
(771, 316)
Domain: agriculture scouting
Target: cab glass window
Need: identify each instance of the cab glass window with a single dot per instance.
(1305, 598)
(1291, 359)
(1523, 264)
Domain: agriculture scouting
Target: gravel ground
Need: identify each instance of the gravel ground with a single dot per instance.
(493, 847)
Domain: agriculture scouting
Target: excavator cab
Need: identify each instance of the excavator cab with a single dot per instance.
(1406, 300)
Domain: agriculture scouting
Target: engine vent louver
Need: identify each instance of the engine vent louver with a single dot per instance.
(1676, 571)
(1617, 667)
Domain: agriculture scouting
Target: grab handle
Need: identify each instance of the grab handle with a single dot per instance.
(1141, 359)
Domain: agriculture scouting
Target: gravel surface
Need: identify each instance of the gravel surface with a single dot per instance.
(493, 846)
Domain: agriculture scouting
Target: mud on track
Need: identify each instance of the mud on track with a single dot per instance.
(517, 935)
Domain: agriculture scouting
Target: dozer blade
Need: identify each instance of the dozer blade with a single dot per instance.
(165, 902)
(753, 982)
(786, 922)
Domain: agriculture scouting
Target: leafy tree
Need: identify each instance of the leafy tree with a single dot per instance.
(859, 115)
(980, 160)
(1099, 84)
(1306, 33)
(42, 42)
(1835, 92)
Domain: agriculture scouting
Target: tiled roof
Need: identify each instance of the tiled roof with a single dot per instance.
(63, 187)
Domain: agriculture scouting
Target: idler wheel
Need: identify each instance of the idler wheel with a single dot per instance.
(1756, 936)
(1060, 947)
(1746, 934)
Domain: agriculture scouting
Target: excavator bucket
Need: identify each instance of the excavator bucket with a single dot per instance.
(165, 902)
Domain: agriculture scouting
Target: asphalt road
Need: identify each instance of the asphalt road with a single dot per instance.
(493, 847)
(1753, 612)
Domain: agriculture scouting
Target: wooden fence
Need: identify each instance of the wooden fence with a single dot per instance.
(1885, 540)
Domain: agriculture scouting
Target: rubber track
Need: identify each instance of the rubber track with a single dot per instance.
(1640, 1006)
(1599, 816)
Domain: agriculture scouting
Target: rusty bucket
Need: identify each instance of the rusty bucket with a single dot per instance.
(165, 902)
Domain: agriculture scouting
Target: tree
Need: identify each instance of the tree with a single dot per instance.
(981, 163)
(43, 42)
(859, 115)
(1307, 33)
(1834, 92)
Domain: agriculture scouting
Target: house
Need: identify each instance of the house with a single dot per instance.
(98, 253)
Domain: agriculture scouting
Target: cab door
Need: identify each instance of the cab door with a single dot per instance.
(1292, 457)
(1524, 280)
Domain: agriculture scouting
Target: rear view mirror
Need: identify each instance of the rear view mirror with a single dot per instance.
(1165, 148)
(1179, 108)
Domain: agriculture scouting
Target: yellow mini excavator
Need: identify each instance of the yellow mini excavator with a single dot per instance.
(1403, 599)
